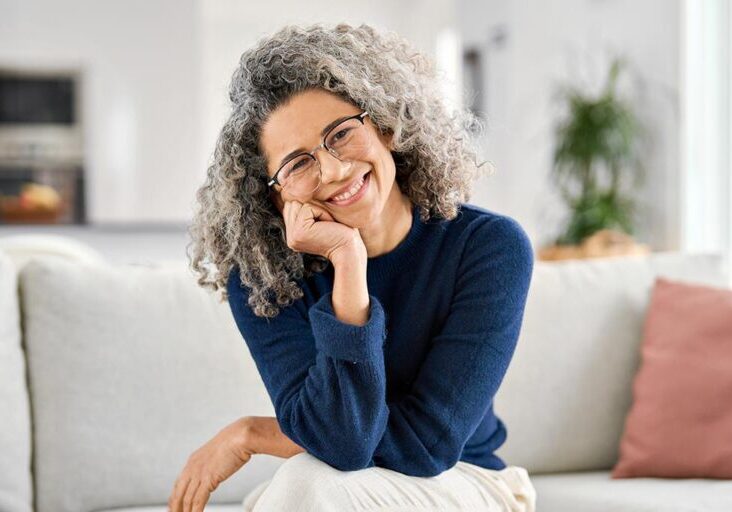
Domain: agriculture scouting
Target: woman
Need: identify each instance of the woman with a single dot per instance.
(381, 310)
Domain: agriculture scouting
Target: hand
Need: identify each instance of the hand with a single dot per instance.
(210, 465)
(311, 229)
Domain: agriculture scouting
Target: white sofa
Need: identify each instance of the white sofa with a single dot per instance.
(111, 375)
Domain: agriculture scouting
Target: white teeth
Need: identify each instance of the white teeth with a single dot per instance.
(356, 187)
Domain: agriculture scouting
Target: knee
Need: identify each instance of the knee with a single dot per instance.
(302, 482)
(306, 470)
(307, 483)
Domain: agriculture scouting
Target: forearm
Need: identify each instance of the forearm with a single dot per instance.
(350, 289)
(263, 436)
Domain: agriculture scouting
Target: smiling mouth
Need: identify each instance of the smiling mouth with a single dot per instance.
(365, 177)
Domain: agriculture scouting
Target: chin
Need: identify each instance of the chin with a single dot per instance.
(356, 217)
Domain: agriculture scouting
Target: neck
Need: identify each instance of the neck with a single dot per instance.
(392, 225)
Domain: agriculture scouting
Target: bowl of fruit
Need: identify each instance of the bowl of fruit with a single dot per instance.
(36, 203)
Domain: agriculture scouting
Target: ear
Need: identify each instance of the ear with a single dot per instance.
(388, 139)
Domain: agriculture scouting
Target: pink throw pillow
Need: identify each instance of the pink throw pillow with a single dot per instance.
(680, 422)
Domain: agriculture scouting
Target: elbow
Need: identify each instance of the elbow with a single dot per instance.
(343, 446)
(443, 456)
(353, 462)
(422, 468)
(426, 471)
(346, 453)
(427, 465)
(341, 456)
(340, 452)
(428, 468)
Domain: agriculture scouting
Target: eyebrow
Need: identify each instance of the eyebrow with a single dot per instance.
(325, 130)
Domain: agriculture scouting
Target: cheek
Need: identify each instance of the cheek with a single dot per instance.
(388, 166)
(381, 156)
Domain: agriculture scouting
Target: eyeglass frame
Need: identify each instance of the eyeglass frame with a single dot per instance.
(274, 179)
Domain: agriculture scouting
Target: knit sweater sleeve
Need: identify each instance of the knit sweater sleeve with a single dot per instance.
(429, 426)
(324, 377)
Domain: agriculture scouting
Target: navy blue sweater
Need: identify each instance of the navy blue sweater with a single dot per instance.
(411, 390)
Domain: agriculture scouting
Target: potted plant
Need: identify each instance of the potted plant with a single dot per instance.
(596, 151)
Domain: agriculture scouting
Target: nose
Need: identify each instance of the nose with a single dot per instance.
(331, 168)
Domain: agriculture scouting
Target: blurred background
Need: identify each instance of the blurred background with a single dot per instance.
(608, 122)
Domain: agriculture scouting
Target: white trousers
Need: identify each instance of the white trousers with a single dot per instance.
(304, 483)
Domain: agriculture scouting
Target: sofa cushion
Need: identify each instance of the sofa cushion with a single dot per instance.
(569, 385)
(132, 368)
(680, 423)
(16, 487)
(596, 491)
(24, 247)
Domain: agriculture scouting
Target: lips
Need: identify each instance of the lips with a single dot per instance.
(348, 187)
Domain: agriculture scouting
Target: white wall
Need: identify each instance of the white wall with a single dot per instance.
(551, 42)
(158, 72)
(140, 103)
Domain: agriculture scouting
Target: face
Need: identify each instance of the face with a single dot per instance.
(297, 125)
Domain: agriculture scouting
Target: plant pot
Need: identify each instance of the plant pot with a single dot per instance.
(602, 244)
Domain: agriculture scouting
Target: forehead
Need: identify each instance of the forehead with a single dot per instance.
(298, 122)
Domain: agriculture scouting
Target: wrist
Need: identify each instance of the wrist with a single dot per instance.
(262, 435)
(350, 299)
(349, 256)
(350, 253)
(244, 441)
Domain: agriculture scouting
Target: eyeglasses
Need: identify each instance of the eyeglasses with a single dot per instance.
(301, 175)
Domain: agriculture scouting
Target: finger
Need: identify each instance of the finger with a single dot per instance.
(200, 499)
(288, 215)
(306, 211)
(289, 210)
(178, 488)
(309, 212)
(174, 502)
(321, 213)
(295, 208)
(294, 215)
(188, 497)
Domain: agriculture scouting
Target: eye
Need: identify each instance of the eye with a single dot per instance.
(296, 166)
(342, 132)
(339, 135)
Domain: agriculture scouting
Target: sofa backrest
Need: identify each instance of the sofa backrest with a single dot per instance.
(132, 368)
(16, 485)
(569, 384)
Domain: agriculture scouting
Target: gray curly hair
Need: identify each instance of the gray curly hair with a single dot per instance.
(237, 224)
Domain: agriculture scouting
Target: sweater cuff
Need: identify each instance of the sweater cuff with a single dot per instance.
(340, 340)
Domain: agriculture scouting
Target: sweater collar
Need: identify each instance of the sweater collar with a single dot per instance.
(404, 253)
